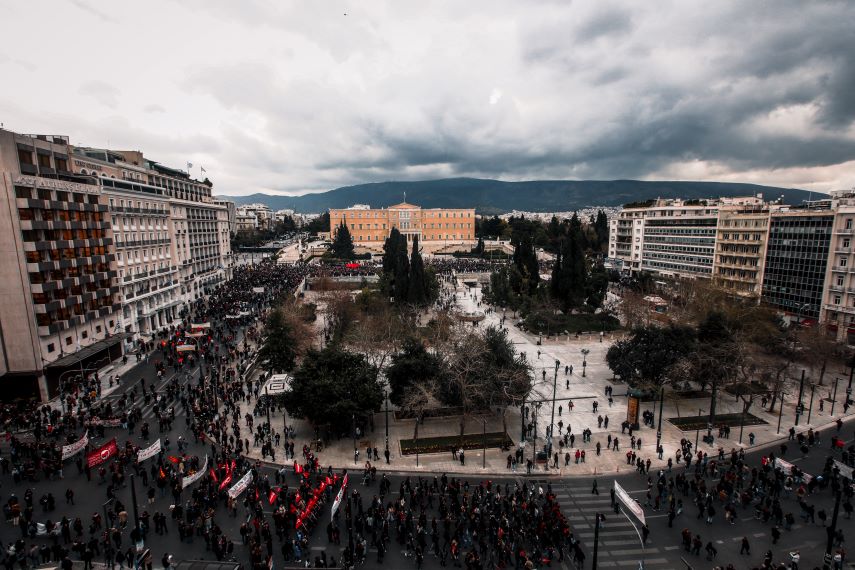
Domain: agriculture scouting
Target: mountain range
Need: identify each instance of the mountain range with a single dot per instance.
(497, 197)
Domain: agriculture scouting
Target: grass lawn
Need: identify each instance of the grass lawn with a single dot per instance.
(544, 322)
(445, 444)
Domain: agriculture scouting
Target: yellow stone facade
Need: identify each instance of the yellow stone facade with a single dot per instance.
(371, 227)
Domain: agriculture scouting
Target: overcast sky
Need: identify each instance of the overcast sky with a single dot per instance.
(287, 96)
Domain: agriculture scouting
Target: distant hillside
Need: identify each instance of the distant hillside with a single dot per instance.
(496, 197)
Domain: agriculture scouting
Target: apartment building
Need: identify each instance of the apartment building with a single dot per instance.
(438, 229)
(263, 215)
(59, 297)
(625, 234)
(740, 248)
(838, 304)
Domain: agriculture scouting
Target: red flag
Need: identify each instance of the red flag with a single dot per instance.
(162, 473)
(174, 459)
(272, 496)
(103, 453)
(226, 481)
(214, 475)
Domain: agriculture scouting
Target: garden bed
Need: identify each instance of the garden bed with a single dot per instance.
(692, 395)
(692, 423)
(747, 388)
(446, 443)
(447, 412)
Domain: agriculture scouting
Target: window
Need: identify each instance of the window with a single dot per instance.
(98, 329)
(51, 347)
(840, 281)
(25, 156)
(846, 242)
(85, 334)
(842, 261)
(848, 222)
(67, 341)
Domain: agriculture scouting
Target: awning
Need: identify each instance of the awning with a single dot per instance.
(87, 351)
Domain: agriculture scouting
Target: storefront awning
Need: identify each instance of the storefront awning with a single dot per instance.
(87, 351)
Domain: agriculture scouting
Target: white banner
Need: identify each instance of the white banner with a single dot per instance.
(629, 503)
(73, 449)
(149, 452)
(844, 469)
(185, 347)
(787, 468)
(258, 289)
(190, 479)
(197, 334)
(241, 485)
(195, 326)
(338, 497)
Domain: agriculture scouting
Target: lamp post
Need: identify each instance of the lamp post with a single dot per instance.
(698, 431)
(353, 430)
(832, 532)
(552, 417)
(387, 426)
(659, 429)
(534, 437)
(780, 412)
(834, 395)
(585, 352)
(810, 406)
(799, 404)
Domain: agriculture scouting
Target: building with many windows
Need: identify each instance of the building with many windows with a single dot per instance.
(438, 229)
(838, 304)
(59, 295)
(797, 259)
(740, 248)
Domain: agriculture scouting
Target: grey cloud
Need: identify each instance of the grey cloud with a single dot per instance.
(101, 91)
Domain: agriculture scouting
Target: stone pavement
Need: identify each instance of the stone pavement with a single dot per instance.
(583, 391)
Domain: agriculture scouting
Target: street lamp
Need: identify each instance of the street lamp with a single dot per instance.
(698, 431)
(387, 426)
(534, 437)
(552, 417)
(585, 352)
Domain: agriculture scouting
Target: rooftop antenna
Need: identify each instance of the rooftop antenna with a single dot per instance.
(405, 197)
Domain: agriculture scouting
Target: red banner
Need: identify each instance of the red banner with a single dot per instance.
(103, 453)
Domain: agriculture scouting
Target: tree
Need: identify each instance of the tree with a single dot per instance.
(342, 245)
(415, 375)
(287, 336)
(332, 386)
(645, 357)
(570, 273)
(527, 276)
(319, 224)
(417, 293)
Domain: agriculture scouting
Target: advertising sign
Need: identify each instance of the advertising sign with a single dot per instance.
(632, 410)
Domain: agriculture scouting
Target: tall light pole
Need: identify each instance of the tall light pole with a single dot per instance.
(552, 418)
(534, 438)
(659, 429)
(799, 404)
(834, 395)
(698, 431)
(585, 353)
(387, 426)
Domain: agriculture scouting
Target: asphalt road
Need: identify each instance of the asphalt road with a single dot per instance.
(619, 543)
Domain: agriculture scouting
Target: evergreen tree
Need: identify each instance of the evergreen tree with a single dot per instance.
(401, 277)
(601, 227)
(342, 245)
(525, 262)
(278, 353)
(417, 293)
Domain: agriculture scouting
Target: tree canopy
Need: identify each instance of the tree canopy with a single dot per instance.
(645, 357)
(332, 385)
(342, 245)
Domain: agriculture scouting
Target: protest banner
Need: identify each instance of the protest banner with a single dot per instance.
(190, 479)
(630, 503)
(103, 453)
(73, 449)
(241, 485)
(149, 452)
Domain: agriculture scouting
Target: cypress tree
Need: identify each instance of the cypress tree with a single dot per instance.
(417, 293)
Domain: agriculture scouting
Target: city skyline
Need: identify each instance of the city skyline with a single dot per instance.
(302, 97)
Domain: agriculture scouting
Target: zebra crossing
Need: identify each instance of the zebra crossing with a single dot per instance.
(620, 545)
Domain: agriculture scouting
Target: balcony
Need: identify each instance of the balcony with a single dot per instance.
(845, 231)
(841, 309)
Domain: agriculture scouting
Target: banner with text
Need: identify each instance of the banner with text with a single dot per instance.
(630, 503)
(787, 468)
(241, 485)
(339, 497)
(103, 453)
(149, 452)
(190, 479)
(845, 470)
(73, 449)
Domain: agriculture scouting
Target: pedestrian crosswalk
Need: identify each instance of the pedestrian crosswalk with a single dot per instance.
(619, 542)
